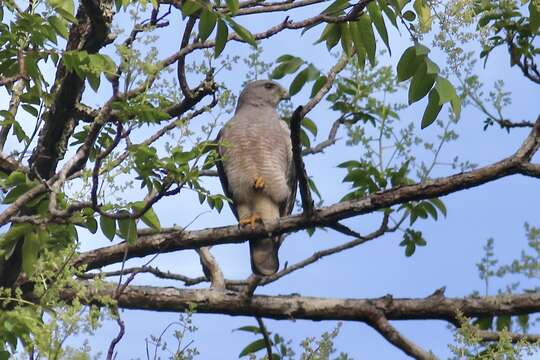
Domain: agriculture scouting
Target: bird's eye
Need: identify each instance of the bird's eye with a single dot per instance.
(269, 85)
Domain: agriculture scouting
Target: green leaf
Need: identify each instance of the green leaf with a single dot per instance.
(310, 73)
(233, 5)
(59, 25)
(424, 14)
(190, 7)
(16, 178)
(534, 16)
(367, 37)
(439, 205)
(128, 230)
(108, 227)
(252, 329)
(16, 192)
(91, 224)
(504, 322)
(221, 37)
(310, 125)
(336, 7)
(378, 21)
(445, 89)
(287, 67)
(346, 39)
(431, 67)
(30, 250)
(410, 249)
(408, 64)
(149, 217)
(409, 15)
(285, 58)
(4, 355)
(207, 23)
(331, 35)
(253, 347)
(65, 8)
(432, 110)
(421, 49)
(94, 81)
(421, 83)
(357, 41)
(430, 209)
(243, 33)
(484, 323)
(318, 85)
(523, 321)
(9, 240)
(30, 109)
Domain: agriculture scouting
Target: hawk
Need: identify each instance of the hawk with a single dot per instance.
(256, 166)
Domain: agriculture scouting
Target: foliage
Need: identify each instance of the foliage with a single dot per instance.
(106, 136)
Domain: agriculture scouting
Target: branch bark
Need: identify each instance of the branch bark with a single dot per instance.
(287, 307)
(169, 240)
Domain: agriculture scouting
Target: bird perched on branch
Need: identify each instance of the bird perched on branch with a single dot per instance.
(256, 167)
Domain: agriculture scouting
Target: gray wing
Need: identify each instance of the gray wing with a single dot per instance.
(287, 206)
(223, 175)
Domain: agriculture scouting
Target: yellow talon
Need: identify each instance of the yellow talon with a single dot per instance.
(251, 220)
(258, 184)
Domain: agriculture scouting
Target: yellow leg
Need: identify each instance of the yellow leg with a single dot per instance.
(251, 220)
(258, 184)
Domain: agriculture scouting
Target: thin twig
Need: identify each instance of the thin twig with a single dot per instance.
(266, 337)
(118, 337)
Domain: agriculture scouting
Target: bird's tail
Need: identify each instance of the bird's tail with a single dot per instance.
(264, 256)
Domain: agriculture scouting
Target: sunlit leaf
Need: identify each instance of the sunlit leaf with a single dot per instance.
(432, 110)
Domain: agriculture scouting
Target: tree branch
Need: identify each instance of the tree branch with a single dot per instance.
(300, 168)
(174, 239)
(486, 335)
(211, 268)
(266, 337)
(286, 307)
(379, 322)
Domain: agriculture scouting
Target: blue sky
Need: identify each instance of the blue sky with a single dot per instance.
(375, 269)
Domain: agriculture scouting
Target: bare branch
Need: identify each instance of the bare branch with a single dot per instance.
(330, 77)
(9, 165)
(211, 268)
(116, 340)
(300, 168)
(310, 308)
(331, 140)
(266, 337)
(181, 71)
(514, 337)
(14, 102)
(188, 281)
(379, 322)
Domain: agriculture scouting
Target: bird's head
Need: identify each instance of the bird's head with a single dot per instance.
(262, 93)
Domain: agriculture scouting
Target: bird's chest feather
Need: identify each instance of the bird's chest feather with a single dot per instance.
(256, 149)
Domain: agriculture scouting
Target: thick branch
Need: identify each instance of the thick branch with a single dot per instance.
(174, 239)
(9, 165)
(289, 307)
(90, 34)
